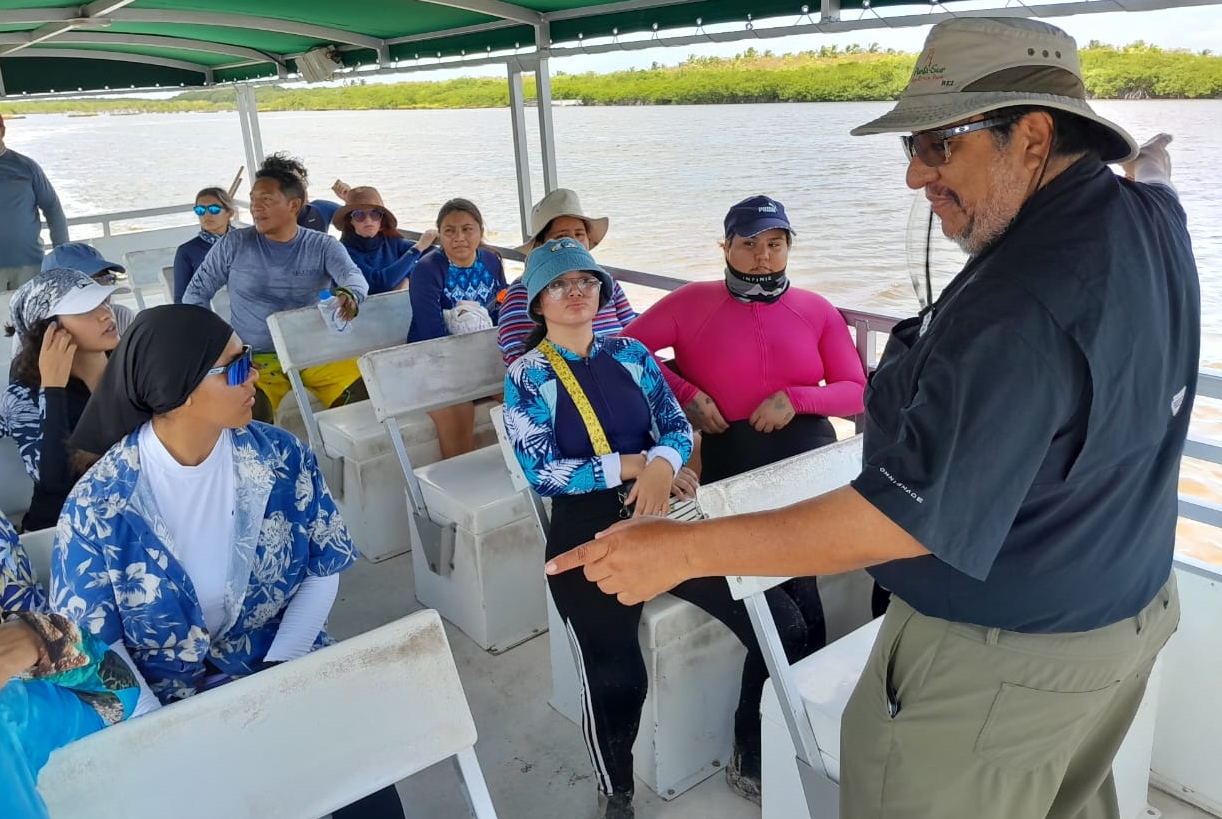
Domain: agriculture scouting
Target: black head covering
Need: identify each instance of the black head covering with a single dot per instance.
(163, 356)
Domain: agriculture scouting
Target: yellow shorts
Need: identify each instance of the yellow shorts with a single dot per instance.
(328, 382)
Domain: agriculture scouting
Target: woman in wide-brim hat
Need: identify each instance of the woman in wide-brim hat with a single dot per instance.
(368, 230)
(559, 216)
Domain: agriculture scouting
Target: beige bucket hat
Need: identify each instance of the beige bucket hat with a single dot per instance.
(972, 65)
(563, 202)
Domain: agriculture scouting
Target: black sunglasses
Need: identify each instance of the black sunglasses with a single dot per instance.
(238, 370)
(200, 210)
(933, 147)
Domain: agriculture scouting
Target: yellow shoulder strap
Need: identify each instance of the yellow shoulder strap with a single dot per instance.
(597, 437)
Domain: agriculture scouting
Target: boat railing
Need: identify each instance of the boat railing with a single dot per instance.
(126, 221)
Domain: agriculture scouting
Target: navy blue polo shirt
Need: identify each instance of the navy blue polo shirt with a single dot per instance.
(1028, 428)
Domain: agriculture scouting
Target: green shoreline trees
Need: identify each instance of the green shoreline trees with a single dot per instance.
(830, 74)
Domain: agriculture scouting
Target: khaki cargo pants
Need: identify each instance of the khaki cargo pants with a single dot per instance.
(951, 721)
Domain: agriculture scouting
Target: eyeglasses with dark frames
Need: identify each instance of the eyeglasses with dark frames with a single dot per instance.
(933, 147)
(238, 370)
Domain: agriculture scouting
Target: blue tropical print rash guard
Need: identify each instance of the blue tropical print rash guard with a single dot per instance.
(115, 573)
(635, 407)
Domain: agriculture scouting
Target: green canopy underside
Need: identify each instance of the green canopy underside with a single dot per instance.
(155, 42)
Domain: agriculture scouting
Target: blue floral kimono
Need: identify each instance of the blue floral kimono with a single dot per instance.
(115, 570)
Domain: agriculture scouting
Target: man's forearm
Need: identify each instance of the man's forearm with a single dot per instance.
(837, 532)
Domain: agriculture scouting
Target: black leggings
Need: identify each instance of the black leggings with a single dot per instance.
(603, 633)
(383, 804)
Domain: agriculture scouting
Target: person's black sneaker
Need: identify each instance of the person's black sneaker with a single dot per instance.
(616, 806)
(743, 777)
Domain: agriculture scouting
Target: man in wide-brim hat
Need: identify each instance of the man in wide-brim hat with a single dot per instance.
(1021, 454)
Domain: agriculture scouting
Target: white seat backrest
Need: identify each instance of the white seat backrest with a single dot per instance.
(167, 283)
(780, 484)
(434, 373)
(302, 340)
(300, 739)
(144, 271)
(114, 246)
(38, 547)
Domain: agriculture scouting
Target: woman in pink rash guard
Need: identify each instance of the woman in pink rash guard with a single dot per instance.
(761, 365)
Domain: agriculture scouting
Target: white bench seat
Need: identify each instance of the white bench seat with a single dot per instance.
(826, 680)
(477, 550)
(360, 470)
(353, 432)
(297, 740)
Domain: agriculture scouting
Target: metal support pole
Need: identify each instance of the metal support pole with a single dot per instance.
(521, 151)
(2, 91)
(547, 133)
(248, 116)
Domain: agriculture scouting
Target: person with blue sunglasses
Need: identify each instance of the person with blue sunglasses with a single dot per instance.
(204, 544)
(215, 210)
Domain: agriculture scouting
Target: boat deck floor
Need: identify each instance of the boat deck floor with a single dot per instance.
(533, 759)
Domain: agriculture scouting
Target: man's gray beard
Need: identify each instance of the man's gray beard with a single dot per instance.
(995, 216)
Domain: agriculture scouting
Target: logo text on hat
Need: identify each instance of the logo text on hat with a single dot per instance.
(767, 209)
(929, 71)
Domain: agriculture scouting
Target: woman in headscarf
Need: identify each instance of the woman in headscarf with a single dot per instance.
(202, 545)
(63, 321)
(368, 231)
(57, 684)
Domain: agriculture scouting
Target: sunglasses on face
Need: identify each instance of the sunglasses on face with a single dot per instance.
(238, 370)
(560, 288)
(933, 147)
(374, 215)
(105, 278)
(214, 210)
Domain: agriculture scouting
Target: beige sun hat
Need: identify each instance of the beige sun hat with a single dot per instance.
(972, 65)
(563, 202)
(364, 198)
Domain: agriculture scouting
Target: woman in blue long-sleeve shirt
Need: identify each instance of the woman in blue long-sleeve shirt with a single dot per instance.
(368, 232)
(215, 210)
(462, 270)
(596, 428)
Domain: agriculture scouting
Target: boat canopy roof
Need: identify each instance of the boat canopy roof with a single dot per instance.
(53, 46)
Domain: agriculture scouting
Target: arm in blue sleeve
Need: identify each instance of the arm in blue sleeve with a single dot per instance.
(48, 202)
(19, 589)
(213, 272)
(403, 266)
(427, 288)
(22, 408)
(530, 427)
(81, 587)
(672, 432)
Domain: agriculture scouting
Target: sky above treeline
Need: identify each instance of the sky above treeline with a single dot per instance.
(1196, 29)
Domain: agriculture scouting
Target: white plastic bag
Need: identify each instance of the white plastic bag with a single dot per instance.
(467, 317)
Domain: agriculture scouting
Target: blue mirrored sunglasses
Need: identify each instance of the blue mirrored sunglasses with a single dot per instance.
(200, 210)
(238, 370)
